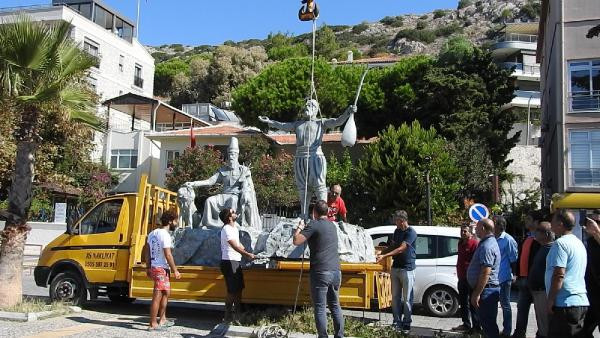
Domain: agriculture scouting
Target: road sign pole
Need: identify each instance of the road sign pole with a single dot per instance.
(428, 198)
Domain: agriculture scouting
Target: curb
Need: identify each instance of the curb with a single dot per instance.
(34, 316)
(243, 331)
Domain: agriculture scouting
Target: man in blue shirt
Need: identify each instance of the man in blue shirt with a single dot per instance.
(564, 279)
(509, 253)
(402, 249)
(482, 276)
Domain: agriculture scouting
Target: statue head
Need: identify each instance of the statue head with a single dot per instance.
(311, 108)
(233, 152)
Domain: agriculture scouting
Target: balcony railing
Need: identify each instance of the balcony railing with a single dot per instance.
(585, 177)
(584, 101)
(518, 37)
(138, 81)
(523, 69)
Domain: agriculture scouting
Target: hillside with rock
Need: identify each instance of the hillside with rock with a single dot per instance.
(400, 35)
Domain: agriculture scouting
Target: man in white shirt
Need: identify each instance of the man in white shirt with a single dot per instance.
(159, 259)
(231, 257)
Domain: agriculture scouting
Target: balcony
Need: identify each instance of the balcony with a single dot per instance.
(510, 43)
(588, 101)
(516, 37)
(523, 72)
(138, 81)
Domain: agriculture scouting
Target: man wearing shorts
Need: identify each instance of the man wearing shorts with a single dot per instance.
(159, 261)
(231, 257)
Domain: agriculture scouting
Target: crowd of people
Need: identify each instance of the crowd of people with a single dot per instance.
(552, 268)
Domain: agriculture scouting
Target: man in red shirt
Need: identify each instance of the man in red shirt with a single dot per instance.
(336, 204)
(466, 249)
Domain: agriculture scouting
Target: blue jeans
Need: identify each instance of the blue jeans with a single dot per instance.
(506, 310)
(488, 311)
(402, 296)
(325, 289)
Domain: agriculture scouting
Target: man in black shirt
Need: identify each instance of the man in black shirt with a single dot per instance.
(592, 275)
(535, 278)
(325, 272)
(402, 249)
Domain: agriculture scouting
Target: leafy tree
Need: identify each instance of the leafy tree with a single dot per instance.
(281, 46)
(164, 73)
(361, 27)
(455, 50)
(274, 183)
(439, 13)
(393, 21)
(41, 71)
(392, 172)
(326, 44)
(280, 90)
(464, 3)
(339, 171)
(421, 24)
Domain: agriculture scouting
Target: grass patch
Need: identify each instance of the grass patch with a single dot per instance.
(303, 321)
(37, 305)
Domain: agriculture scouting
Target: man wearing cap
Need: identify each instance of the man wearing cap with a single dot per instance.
(238, 192)
(402, 250)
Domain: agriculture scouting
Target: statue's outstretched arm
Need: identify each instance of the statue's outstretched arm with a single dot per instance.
(332, 123)
(285, 126)
(204, 183)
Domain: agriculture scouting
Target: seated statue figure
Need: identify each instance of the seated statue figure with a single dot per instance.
(238, 192)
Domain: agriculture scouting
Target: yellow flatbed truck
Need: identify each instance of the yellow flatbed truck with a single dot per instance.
(101, 255)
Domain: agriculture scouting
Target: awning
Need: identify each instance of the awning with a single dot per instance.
(151, 110)
(576, 200)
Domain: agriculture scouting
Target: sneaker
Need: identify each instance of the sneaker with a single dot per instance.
(461, 328)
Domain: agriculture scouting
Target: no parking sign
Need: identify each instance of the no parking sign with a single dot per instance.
(478, 211)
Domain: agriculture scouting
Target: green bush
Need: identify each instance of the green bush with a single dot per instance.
(464, 3)
(421, 24)
(361, 27)
(425, 35)
(424, 17)
(177, 47)
(448, 30)
(531, 10)
(393, 21)
(439, 13)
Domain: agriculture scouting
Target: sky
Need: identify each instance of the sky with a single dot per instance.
(204, 22)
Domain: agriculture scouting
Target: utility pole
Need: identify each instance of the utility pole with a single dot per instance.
(137, 21)
(428, 181)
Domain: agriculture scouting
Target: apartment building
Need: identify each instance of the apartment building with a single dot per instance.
(570, 86)
(515, 49)
(124, 66)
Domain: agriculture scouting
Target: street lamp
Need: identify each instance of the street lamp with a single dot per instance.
(428, 181)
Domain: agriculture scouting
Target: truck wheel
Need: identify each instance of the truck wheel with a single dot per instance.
(441, 301)
(68, 287)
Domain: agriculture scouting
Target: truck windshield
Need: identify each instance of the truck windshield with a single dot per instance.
(102, 219)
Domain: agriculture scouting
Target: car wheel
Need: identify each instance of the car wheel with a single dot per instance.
(441, 301)
(68, 287)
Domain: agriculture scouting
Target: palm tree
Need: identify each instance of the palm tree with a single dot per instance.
(41, 71)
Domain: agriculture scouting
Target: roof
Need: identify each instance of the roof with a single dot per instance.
(283, 139)
(216, 130)
(376, 60)
(144, 107)
(97, 2)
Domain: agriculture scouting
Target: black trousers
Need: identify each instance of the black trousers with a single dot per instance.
(567, 322)
(467, 311)
(592, 317)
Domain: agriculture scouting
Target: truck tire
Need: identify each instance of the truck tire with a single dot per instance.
(68, 287)
(441, 301)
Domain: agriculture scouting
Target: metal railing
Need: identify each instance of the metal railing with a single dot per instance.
(585, 177)
(584, 101)
(518, 37)
(138, 81)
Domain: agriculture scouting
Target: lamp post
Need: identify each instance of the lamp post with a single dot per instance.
(428, 181)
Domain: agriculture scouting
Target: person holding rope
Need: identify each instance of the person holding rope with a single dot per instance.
(310, 166)
(325, 271)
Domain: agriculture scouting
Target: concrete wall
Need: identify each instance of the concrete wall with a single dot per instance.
(526, 170)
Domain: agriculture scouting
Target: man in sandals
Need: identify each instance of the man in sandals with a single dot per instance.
(159, 263)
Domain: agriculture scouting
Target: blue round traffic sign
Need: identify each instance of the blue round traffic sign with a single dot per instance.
(478, 211)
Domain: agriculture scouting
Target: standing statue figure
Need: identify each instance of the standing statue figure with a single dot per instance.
(309, 137)
(238, 192)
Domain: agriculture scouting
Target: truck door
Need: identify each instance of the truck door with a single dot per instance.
(97, 240)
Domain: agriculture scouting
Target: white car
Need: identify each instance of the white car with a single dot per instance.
(435, 274)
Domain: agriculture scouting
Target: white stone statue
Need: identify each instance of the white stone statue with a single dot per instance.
(238, 192)
(187, 207)
(309, 137)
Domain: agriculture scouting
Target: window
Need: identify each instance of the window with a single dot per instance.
(381, 239)
(123, 159)
(425, 247)
(447, 246)
(584, 161)
(92, 48)
(172, 155)
(93, 82)
(584, 85)
(138, 81)
(83, 9)
(102, 219)
(103, 17)
(121, 62)
(124, 30)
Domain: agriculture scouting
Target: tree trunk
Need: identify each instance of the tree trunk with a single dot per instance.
(14, 235)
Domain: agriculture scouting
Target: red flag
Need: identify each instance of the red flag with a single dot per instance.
(192, 137)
